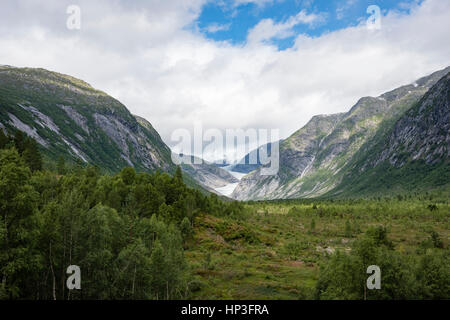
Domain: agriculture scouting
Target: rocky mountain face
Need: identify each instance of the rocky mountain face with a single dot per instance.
(208, 174)
(410, 153)
(68, 117)
(317, 159)
(252, 160)
(423, 132)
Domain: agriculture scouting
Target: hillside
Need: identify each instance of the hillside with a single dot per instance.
(69, 118)
(314, 160)
(208, 174)
(411, 153)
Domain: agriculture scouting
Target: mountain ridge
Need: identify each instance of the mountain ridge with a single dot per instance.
(308, 171)
(69, 118)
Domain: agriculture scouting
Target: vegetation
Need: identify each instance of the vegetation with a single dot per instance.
(148, 236)
(126, 232)
(320, 249)
(38, 98)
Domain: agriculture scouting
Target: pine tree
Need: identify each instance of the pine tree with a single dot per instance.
(3, 139)
(19, 141)
(179, 175)
(31, 155)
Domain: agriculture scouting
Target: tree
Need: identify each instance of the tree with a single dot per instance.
(436, 239)
(96, 249)
(61, 165)
(3, 139)
(18, 202)
(186, 228)
(128, 175)
(157, 267)
(179, 175)
(32, 156)
(19, 141)
(433, 275)
(134, 275)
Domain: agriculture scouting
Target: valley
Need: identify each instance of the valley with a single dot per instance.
(277, 249)
(80, 174)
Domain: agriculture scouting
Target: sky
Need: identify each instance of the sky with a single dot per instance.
(236, 64)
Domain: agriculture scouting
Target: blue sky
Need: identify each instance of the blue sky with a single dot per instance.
(231, 20)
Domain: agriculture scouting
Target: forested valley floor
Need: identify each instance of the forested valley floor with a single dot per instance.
(148, 236)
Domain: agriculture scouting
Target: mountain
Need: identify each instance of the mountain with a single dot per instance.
(252, 161)
(69, 118)
(411, 153)
(315, 160)
(207, 174)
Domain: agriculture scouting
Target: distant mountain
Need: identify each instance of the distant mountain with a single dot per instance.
(321, 158)
(252, 160)
(69, 118)
(207, 174)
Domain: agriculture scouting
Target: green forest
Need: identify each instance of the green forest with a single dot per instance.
(138, 235)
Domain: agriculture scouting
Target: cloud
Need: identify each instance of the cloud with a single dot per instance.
(343, 7)
(259, 3)
(145, 54)
(267, 29)
(215, 27)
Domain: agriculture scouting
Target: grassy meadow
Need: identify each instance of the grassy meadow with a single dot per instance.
(275, 249)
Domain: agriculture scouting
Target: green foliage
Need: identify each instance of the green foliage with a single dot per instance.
(18, 201)
(436, 240)
(61, 165)
(312, 226)
(344, 277)
(143, 236)
(52, 94)
(433, 274)
(379, 236)
(32, 156)
(126, 232)
(186, 228)
(348, 229)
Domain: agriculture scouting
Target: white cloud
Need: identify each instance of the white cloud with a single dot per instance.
(343, 7)
(266, 29)
(215, 27)
(142, 53)
(259, 3)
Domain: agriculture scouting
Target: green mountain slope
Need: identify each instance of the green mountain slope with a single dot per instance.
(315, 159)
(410, 153)
(68, 117)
